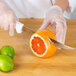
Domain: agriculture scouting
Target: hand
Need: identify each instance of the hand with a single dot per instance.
(7, 18)
(54, 17)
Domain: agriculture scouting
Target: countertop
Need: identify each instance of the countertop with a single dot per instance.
(63, 63)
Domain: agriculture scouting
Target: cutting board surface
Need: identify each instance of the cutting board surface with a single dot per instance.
(63, 63)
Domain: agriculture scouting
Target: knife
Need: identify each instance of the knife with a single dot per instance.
(60, 45)
(29, 29)
(20, 26)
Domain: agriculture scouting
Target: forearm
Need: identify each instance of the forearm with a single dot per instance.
(62, 3)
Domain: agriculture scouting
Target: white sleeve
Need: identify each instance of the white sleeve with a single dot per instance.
(70, 9)
(72, 4)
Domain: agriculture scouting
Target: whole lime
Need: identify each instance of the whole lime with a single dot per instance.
(6, 63)
(8, 51)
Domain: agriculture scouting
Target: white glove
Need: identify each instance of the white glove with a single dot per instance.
(54, 17)
(7, 18)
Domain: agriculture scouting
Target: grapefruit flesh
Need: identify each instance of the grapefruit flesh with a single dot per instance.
(38, 45)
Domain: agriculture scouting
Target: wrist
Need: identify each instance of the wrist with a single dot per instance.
(54, 11)
(62, 3)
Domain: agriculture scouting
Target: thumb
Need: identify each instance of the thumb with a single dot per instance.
(44, 25)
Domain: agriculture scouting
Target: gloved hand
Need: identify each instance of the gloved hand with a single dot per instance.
(7, 18)
(54, 17)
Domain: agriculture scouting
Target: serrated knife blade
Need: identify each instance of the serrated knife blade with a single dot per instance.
(60, 45)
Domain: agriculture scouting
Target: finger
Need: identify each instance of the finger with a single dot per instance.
(1, 26)
(6, 23)
(44, 25)
(6, 27)
(60, 32)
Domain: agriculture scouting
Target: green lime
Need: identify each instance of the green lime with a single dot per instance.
(8, 51)
(6, 63)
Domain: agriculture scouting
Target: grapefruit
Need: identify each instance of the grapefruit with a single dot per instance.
(40, 44)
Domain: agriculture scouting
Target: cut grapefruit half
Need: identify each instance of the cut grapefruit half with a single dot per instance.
(40, 44)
